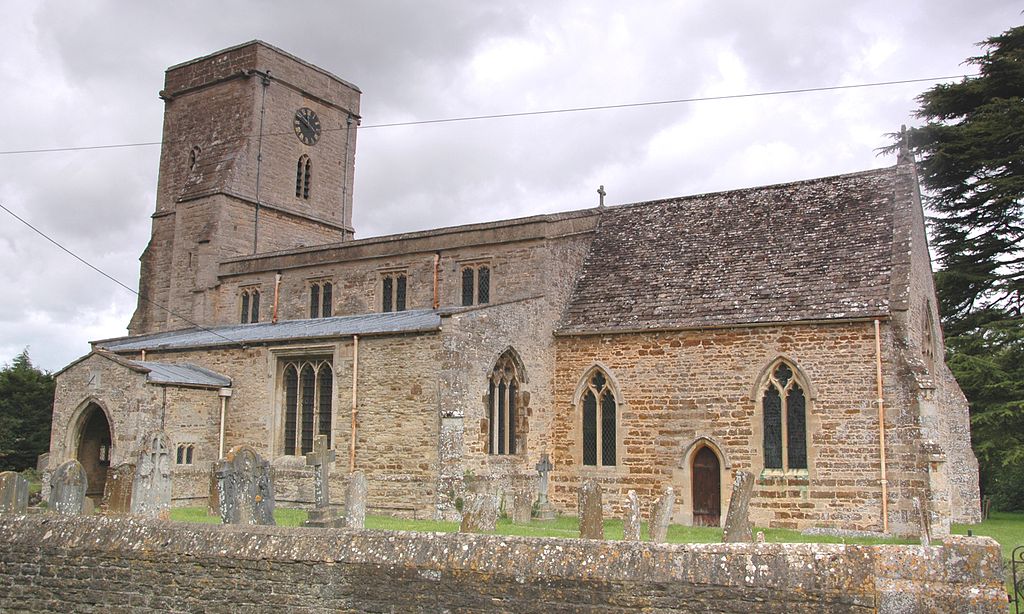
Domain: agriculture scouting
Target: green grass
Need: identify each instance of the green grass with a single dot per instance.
(283, 516)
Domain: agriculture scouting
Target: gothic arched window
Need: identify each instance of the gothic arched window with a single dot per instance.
(308, 387)
(784, 412)
(503, 409)
(600, 421)
(303, 176)
(250, 307)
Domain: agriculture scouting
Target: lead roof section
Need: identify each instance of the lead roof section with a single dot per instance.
(422, 320)
(185, 374)
(812, 250)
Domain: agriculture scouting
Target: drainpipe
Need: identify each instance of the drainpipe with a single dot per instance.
(881, 427)
(437, 266)
(225, 394)
(277, 295)
(355, 388)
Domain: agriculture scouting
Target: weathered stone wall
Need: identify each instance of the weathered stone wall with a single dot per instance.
(678, 389)
(50, 564)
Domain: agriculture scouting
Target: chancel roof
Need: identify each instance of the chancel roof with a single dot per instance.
(285, 330)
(811, 250)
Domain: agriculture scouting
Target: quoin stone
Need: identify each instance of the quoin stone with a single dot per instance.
(151, 487)
(13, 493)
(591, 512)
(631, 519)
(661, 515)
(67, 489)
(246, 488)
(737, 520)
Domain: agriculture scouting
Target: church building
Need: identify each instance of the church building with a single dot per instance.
(787, 330)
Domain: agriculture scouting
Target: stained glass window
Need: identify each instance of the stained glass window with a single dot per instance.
(784, 414)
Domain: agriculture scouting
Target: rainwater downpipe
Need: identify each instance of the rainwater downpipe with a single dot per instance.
(277, 295)
(225, 394)
(881, 426)
(355, 389)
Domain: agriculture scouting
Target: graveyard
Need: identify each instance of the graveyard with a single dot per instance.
(133, 548)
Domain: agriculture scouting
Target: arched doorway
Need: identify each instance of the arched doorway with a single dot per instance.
(707, 488)
(94, 449)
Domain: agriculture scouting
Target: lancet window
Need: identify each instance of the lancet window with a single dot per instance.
(250, 305)
(503, 405)
(303, 176)
(320, 299)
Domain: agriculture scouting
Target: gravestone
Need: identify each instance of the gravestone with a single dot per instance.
(13, 493)
(661, 515)
(245, 486)
(320, 460)
(355, 501)
(737, 520)
(522, 502)
(151, 486)
(67, 489)
(117, 491)
(213, 498)
(479, 513)
(922, 518)
(631, 521)
(545, 511)
(590, 512)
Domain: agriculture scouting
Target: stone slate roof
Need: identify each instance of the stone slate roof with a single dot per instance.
(286, 330)
(812, 250)
(185, 374)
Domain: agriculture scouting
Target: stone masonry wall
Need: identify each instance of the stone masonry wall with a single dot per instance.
(681, 390)
(91, 564)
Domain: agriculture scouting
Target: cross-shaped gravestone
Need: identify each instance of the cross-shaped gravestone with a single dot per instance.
(545, 510)
(320, 459)
(151, 485)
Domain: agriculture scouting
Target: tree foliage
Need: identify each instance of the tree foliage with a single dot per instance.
(971, 163)
(26, 408)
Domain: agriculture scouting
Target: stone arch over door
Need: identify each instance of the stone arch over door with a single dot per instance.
(703, 478)
(91, 445)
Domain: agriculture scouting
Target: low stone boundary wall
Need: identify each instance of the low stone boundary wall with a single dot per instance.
(84, 564)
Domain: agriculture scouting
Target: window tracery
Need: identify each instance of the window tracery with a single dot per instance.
(503, 405)
(308, 402)
(784, 415)
(600, 421)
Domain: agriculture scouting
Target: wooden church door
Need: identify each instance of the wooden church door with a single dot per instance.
(707, 493)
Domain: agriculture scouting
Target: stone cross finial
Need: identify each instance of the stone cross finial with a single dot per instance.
(601, 194)
(320, 459)
(904, 153)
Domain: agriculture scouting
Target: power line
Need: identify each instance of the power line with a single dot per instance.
(111, 278)
(466, 118)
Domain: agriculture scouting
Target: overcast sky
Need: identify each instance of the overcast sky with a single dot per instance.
(87, 73)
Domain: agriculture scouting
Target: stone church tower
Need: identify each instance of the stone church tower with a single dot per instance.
(258, 155)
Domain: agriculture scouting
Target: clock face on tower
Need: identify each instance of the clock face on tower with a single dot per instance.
(307, 126)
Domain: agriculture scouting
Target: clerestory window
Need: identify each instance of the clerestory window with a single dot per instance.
(393, 290)
(476, 284)
(321, 299)
(249, 300)
(784, 409)
(308, 403)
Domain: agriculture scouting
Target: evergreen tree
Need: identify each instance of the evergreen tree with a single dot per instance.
(26, 408)
(971, 162)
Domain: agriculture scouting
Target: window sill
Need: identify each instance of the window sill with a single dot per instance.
(784, 476)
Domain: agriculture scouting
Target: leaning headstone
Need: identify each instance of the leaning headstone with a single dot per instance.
(479, 513)
(737, 519)
(545, 511)
(661, 515)
(151, 487)
(67, 489)
(522, 504)
(245, 488)
(117, 490)
(922, 516)
(13, 493)
(590, 512)
(631, 521)
(320, 460)
(355, 501)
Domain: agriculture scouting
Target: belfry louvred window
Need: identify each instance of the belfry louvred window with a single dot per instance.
(600, 421)
(504, 387)
(303, 176)
(308, 394)
(784, 415)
